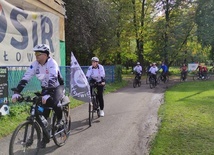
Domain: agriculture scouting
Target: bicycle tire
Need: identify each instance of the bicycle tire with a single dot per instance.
(66, 111)
(134, 83)
(63, 131)
(147, 80)
(90, 111)
(151, 83)
(98, 108)
(36, 128)
(139, 83)
(158, 80)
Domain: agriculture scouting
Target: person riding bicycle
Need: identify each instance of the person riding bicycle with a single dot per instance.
(138, 70)
(199, 68)
(204, 72)
(96, 73)
(47, 71)
(164, 70)
(183, 70)
(153, 72)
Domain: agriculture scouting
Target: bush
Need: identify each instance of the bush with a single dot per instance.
(118, 73)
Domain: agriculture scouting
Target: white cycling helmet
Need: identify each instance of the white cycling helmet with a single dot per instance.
(95, 59)
(138, 63)
(43, 48)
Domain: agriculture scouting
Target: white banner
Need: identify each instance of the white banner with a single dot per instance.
(21, 30)
(80, 88)
(192, 66)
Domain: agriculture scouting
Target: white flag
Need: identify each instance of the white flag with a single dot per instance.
(80, 88)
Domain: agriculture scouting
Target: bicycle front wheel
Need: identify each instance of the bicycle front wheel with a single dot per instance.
(152, 83)
(134, 83)
(25, 139)
(61, 133)
(90, 112)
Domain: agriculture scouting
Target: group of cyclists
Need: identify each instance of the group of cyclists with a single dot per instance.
(152, 71)
(48, 73)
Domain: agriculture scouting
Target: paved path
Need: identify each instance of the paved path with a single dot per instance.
(130, 121)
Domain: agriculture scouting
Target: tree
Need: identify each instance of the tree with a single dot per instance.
(89, 28)
(205, 24)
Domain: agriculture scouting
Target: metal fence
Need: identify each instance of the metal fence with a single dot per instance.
(15, 74)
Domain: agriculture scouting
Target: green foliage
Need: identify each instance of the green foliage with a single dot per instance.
(18, 109)
(123, 32)
(118, 73)
(187, 125)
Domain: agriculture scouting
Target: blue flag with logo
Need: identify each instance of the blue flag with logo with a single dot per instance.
(79, 85)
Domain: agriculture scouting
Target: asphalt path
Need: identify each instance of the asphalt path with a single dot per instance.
(129, 124)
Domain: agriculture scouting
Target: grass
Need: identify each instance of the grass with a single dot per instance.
(19, 113)
(187, 126)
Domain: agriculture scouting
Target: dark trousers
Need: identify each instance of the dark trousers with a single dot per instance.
(99, 95)
(154, 76)
(137, 75)
(56, 94)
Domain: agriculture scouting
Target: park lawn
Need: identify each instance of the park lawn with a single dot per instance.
(187, 120)
(19, 113)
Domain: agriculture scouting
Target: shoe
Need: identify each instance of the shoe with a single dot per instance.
(43, 144)
(59, 123)
(101, 113)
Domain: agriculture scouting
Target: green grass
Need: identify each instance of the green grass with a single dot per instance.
(19, 113)
(187, 126)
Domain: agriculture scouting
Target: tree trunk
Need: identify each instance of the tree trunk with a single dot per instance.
(212, 52)
(141, 42)
(166, 38)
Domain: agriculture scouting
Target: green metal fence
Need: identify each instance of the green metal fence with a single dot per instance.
(15, 75)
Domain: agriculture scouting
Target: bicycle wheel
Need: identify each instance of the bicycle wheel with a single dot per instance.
(98, 108)
(139, 83)
(147, 80)
(158, 80)
(67, 119)
(25, 139)
(90, 112)
(195, 77)
(167, 79)
(61, 133)
(134, 83)
(151, 83)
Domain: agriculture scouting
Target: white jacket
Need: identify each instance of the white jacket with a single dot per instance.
(153, 70)
(138, 69)
(47, 74)
(97, 74)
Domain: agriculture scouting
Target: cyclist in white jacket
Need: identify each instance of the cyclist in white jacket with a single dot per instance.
(153, 72)
(138, 70)
(47, 71)
(96, 73)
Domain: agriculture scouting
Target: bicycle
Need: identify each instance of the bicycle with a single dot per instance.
(183, 76)
(161, 78)
(152, 83)
(199, 76)
(26, 138)
(136, 81)
(95, 103)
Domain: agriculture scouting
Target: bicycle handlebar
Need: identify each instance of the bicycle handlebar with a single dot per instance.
(95, 84)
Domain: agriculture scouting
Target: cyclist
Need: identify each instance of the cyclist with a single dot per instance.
(47, 71)
(204, 72)
(199, 68)
(153, 72)
(164, 70)
(96, 73)
(138, 70)
(183, 70)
